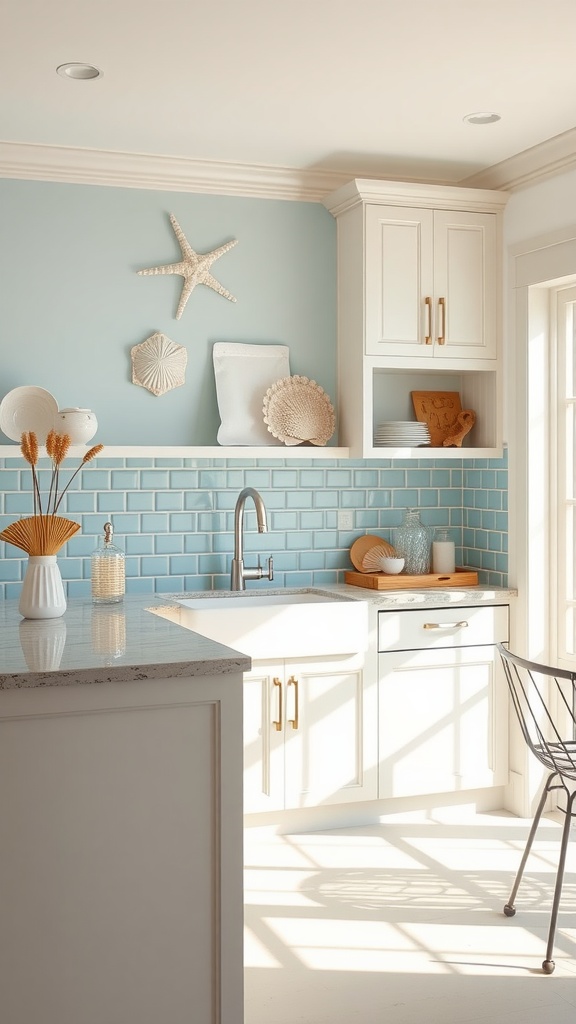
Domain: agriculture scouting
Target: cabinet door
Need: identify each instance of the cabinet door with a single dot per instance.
(465, 262)
(264, 738)
(398, 281)
(430, 283)
(442, 721)
(330, 734)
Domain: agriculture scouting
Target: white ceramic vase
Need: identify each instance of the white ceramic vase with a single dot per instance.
(42, 594)
(79, 424)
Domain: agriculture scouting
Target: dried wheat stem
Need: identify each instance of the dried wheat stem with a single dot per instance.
(90, 454)
(59, 445)
(29, 449)
(50, 443)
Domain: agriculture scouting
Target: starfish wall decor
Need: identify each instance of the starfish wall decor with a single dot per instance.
(194, 268)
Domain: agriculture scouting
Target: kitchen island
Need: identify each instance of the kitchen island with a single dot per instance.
(121, 820)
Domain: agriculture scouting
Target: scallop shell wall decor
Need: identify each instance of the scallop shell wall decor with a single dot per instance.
(159, 364)
(297, 409)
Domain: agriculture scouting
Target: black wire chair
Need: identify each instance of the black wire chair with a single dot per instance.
(544, 699)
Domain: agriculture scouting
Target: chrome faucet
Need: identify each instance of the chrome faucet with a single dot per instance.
(239, 572)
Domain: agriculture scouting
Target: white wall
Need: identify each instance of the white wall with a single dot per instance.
(533, 211)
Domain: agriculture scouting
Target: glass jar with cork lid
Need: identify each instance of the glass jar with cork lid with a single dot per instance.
(108, 570)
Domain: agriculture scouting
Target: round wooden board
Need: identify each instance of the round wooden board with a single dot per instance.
(361, 546)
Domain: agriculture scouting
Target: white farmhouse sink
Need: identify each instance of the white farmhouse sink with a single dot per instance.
(278, 624)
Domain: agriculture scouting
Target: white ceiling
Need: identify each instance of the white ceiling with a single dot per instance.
(370, 87)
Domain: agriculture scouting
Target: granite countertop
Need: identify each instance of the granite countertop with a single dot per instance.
(427, 596)
(105, 643)
(382, 599)
(437, 597)
(126, 641)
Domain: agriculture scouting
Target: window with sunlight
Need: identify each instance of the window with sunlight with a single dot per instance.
(562, 490)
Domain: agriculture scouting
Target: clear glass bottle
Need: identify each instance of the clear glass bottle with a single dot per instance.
(108, 570)
(443, 551)
(412, 541)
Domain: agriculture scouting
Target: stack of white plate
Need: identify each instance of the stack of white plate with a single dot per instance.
(401, 434)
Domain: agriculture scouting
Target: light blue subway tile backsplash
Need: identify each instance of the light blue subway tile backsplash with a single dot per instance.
(174, 518)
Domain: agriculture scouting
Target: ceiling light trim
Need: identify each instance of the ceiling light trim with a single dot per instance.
(78, 71)
(481, 117)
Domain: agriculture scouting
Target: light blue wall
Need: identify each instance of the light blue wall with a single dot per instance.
(72, 304)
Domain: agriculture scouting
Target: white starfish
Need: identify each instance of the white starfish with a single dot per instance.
(194, 268)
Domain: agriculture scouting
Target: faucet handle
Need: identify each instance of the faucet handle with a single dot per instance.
(263, 573)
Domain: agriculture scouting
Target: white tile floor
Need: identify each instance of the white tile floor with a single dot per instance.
(402, 923)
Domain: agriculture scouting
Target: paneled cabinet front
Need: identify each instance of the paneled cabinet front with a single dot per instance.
(443, 719)
(430, 283)
(419, 309)
(309, 736)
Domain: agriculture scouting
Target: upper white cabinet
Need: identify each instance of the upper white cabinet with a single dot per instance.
(419, 308)
(430, 283)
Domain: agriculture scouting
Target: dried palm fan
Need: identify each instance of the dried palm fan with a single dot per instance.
(371, 560)
(40, 535)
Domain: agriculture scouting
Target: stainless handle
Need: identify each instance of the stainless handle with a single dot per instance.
(428, 337)
(277, 723)
(294, 721)
(442, 335)
(446, 625)
(270, 568)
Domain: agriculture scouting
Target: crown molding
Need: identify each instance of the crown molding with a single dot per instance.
(401, 193)
(37, 162)
(546, 160)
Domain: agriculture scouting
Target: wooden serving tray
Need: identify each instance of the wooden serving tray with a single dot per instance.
(384, 581)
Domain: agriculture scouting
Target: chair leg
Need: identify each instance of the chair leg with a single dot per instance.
(548, 964)
(510, 909)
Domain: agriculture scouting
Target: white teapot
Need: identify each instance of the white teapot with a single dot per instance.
(79, 424)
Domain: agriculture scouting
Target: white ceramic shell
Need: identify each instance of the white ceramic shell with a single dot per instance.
(159, 364)
(297, 409)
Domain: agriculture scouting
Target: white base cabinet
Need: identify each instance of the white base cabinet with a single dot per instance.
(309, 734)
(121, 853)
(443, 700)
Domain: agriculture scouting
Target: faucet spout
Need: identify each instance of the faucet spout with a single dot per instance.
(239, 573)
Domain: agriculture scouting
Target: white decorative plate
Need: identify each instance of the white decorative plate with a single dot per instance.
(159, 364)
(297, 409)
(28, 408)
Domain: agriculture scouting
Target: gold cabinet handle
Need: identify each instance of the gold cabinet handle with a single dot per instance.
(294, 721)
(277, 723)
(445, 625)
(442, 335)
(428, 336)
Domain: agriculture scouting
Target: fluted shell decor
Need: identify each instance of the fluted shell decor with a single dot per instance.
(159, 364)
(297, 410)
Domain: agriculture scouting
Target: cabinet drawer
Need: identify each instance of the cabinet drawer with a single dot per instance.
(442, 627)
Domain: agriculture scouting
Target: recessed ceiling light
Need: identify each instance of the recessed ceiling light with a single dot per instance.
(482, 117)
(82, 72)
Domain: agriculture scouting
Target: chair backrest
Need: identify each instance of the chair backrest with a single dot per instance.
(544, 699)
